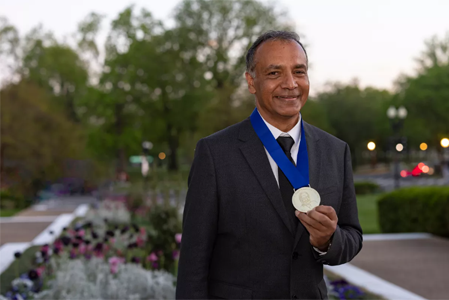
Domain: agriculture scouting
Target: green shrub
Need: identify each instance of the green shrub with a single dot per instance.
(366, 187)
(416, 209)
(9, 200)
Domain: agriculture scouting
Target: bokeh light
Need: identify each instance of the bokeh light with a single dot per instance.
(445, 142)
(162, 156)
(371, 146)
(399, 147)
(423, 146)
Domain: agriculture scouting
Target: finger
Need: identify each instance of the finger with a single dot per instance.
(305, 219)
(329, 211)
(320, 217)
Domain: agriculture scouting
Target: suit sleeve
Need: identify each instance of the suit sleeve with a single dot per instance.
(347, 239)
(199, 226)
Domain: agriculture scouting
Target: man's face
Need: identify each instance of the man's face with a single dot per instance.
(281, 83)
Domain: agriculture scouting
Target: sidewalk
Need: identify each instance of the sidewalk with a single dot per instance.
(403, 266)
(419, 264)
(33, 225)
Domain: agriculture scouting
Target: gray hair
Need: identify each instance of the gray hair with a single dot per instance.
(272, 35)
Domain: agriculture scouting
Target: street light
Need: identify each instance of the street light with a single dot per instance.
(371, 146)
(397, 116)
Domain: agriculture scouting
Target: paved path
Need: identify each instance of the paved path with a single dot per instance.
(419, 265)
(33, 225)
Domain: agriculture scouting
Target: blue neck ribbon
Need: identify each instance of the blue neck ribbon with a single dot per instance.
(297, 175)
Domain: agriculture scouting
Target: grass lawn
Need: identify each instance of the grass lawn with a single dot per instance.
(367, 206)
(9, 212)
(20, 266)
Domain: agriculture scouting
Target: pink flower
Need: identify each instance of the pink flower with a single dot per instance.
(58, 244)
(114, 269)
(40, 270)
(142, 231)
(152, 257)
(81, 232)
(114, 263)
(178, 237)
(82, 249)
(140, 242)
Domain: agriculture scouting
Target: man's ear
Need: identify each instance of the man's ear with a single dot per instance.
(250, 81)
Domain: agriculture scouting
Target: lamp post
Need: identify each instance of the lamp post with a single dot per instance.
(372, 147)
(396, 116)
(445, 165)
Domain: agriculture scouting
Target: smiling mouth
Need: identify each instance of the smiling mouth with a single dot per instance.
(288, 98)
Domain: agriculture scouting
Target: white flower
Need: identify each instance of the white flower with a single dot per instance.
(80, 279)
(22, 281)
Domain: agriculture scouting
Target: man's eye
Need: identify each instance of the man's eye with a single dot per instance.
(274, 73)
(300, 72)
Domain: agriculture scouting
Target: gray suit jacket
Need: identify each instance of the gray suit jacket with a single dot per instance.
(238, 241)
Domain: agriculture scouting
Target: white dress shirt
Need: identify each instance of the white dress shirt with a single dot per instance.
(295, 133)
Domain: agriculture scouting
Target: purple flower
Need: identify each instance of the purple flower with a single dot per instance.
(33, 275)
(135, 259)
(175, 254)
(155, 265)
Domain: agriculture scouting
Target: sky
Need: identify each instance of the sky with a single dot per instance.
(372, 40)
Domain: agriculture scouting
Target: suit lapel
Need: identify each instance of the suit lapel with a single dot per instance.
(255, 154)
(314, 153)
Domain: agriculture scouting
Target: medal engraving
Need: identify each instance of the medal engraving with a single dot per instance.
(305, 199)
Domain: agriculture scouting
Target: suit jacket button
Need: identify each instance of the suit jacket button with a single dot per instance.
(295, 255)
(294, 297)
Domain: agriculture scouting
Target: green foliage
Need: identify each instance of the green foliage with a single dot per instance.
(36, 138)
(417, 209)
(164, 224)
(12, 202)
(20, 266)
(356, 115)
(366, 187)
(58, 69)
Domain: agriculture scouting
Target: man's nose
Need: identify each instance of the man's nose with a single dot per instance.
(289, 82)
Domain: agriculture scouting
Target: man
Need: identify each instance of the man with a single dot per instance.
(242, 237)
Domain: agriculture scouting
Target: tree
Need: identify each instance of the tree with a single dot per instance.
(9, 46)
(356, 115)
(36, 137)
(55, 67)
(426, 94)
(218, 34)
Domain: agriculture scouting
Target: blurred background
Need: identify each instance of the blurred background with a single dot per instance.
(83, 86)
(109, 98)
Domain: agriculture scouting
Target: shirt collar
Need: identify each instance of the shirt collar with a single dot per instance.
(295, 132)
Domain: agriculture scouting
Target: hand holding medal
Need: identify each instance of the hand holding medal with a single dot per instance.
(321, 223)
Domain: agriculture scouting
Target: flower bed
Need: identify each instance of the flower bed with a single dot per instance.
(110, 254)
(123, 249)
